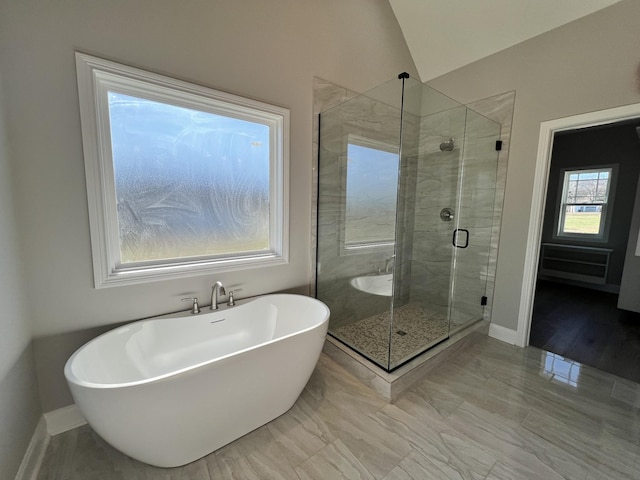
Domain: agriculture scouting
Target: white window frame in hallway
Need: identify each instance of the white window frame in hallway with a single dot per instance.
(598, 199)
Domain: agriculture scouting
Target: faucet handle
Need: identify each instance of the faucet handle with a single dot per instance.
(194, 308)
(232, 300)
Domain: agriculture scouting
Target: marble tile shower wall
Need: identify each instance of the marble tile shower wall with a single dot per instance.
(436, 188)
(325, 96)
(406, 222)
(367, 118)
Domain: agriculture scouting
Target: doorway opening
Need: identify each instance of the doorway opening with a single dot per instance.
(548, 132)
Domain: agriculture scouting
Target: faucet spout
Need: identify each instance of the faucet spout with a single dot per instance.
(217, 289)
(388, 266)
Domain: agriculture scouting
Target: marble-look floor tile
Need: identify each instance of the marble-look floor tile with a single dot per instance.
(330, 381)
(301, 432)
(561, 404)
(557, 460)
(465, 385)
(491, 411)
(627, 392)
(335, 462)
(517, 471)
(377, 447)
(417, 466)
(426, 401)
(526, 452)
(81, 454)
(256, 456)
(629, 431)
(446, 449)
(587, 448)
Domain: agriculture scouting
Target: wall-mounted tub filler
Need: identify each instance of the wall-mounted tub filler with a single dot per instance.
(172, 389)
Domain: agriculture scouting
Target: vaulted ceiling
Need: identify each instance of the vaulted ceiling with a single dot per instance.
(443, 35)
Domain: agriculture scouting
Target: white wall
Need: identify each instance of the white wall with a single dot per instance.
(588, 65)
(264, 49)
(19, 406)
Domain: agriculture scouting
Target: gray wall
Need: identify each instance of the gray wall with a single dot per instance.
(590, 64)
(598, 146)
(268, 50)
(19, 406)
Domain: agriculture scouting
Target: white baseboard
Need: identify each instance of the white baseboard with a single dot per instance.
(30, 466)
(64, 419)
(503, 334)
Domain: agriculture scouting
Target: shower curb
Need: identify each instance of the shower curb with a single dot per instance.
(389, 385)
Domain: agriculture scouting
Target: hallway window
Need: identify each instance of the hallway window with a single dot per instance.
(181, 179)
(585, 205)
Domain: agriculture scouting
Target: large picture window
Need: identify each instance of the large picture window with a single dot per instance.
(585, 203)
(181, 179)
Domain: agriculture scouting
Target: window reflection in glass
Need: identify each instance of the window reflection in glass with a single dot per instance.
(560, 369)
(371, 191)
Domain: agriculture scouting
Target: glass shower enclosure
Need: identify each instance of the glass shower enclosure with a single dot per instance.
(406, 193)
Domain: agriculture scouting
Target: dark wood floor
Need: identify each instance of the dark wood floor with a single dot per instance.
(585, 325)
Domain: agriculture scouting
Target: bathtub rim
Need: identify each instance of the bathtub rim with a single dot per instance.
(78, 382)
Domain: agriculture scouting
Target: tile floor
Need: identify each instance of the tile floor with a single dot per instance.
(494, 412)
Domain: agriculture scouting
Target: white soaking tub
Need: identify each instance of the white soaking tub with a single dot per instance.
(171, 389)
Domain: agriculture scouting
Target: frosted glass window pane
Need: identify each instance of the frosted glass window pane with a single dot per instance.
(372, 183)
(188, 183)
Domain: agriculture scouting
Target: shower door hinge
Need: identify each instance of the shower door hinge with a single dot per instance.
(483, 300)
(498, 145)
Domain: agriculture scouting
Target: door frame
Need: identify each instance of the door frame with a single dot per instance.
(540, 182)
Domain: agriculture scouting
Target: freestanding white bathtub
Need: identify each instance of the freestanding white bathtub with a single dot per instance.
(169, 390)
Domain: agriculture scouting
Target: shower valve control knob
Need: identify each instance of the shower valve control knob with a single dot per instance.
(446, 214)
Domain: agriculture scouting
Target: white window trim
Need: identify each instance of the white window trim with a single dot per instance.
(607, 208)
(95, 76)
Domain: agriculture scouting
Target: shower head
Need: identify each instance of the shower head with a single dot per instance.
(447, 145)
